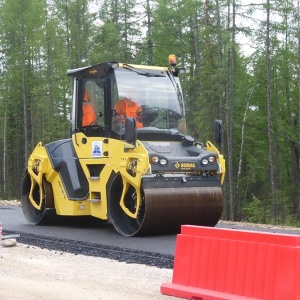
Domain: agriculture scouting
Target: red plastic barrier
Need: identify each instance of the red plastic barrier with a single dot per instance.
(222, 264)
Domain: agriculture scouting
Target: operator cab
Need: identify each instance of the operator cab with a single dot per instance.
(105, 94)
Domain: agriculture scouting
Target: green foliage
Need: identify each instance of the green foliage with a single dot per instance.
(41, 39)
(106, 44)
(260, 211)
(255, 212)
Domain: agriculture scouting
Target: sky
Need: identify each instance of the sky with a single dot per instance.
(247, 46)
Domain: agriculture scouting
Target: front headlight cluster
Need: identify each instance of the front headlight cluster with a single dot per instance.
(159, 160)
(208, 160)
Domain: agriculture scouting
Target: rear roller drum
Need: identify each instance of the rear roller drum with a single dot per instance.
(32, 214)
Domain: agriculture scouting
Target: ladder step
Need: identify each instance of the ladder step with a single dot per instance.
(94, 177)
(94, 200)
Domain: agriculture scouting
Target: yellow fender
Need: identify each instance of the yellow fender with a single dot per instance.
(211, 147)
(136, 161)
(37, 166)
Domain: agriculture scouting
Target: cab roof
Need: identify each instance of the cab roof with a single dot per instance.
(105, 67)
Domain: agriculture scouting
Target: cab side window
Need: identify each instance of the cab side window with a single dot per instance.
(92, 104)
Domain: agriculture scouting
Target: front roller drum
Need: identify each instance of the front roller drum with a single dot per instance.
(164, 210)
(169, 208)
(33, 215)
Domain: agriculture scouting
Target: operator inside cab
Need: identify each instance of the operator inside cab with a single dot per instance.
(89, 116)
(126, 107)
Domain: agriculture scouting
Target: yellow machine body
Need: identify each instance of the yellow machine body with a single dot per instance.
(146, 180)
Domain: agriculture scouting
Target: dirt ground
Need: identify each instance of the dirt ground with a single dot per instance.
(28, 272)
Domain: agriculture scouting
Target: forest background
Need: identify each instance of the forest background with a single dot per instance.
(256, 93)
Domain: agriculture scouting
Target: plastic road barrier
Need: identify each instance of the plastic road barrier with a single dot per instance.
(222, 264)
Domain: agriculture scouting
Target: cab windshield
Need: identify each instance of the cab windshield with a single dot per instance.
(153, 97)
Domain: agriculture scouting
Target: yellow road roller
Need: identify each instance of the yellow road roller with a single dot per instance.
(128, 158)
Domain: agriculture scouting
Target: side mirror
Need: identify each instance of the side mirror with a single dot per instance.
(218, 131)
(130, 130)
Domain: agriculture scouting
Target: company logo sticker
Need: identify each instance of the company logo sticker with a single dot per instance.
(185, 165)
(96, 149)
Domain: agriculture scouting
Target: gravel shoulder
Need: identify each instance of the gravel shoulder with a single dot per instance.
(33, 273)
(30, 272)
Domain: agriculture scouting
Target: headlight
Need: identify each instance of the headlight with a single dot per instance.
(204, 161)
(208, 160)
(158, 160)
(154, 159)
(212, 159)
(163, 161)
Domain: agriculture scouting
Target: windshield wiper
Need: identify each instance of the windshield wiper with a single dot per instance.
(143, 73)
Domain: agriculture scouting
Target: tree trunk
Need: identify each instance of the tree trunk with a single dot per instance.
(230, 96)
(298, 18)
(239, 172)
(269, 113)
(221, 114)
(149, 33)
(24, 94)
(197, 58)
(4, 174)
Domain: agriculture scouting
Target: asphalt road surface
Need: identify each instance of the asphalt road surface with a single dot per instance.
(103, 233)
(97, 232)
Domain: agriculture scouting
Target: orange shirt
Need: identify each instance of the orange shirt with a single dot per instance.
(128, 108)
(89, 116)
